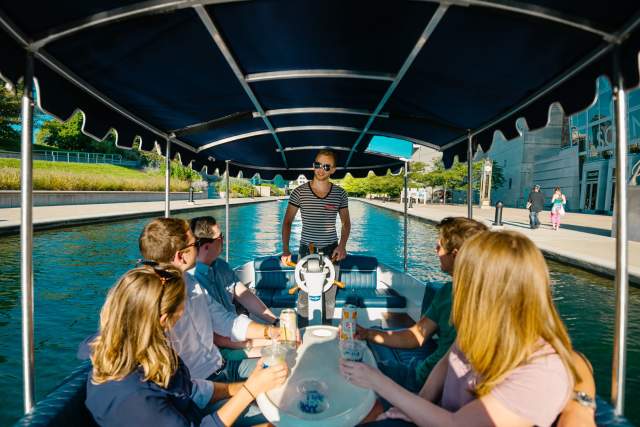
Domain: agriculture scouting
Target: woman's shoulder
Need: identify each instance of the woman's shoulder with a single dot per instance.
(537, 389)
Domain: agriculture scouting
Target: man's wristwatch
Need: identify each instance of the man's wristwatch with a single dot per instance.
(584, 399)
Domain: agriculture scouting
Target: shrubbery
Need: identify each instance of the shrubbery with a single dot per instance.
(85, 177)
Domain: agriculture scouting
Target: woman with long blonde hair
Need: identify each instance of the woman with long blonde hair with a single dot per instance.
(137, 377)
(511, 364)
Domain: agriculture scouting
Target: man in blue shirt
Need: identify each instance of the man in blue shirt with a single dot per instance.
(226, 288)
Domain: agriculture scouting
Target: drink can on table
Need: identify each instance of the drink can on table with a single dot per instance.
(288, 325)
(349, 322)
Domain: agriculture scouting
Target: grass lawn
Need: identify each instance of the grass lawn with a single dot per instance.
(85, 177)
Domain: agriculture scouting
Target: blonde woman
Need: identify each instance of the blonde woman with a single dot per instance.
(138, 379)
(511, 364)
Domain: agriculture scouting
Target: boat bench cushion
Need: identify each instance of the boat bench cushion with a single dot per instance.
(370, 298)
(365, 298)
(272, 282)
(64, 406)
(359, 272)
(271, 274)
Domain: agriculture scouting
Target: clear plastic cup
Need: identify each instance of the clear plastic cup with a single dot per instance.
(273, 355)
(313, 396)
(352, 350)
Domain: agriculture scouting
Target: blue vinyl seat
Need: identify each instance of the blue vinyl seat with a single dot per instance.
(273, 281)
(64, 406)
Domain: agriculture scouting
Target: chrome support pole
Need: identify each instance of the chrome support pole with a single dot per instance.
(406, 201)
(226, 210)
(469, 177)
(619, 363)
(167, 180)
(26, 237)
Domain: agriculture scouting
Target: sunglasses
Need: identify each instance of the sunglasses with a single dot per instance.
(195, 244)
(326, 166)
(157, 268)
(204, 240)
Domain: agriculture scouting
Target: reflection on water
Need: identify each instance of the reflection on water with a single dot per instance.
(74, 268)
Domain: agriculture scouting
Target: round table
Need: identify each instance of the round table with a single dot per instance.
(317, 358)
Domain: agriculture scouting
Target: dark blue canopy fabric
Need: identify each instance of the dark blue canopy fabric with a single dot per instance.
(266, 83)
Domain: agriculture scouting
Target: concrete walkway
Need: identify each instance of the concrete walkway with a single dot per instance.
(583, 240)
(48, 217)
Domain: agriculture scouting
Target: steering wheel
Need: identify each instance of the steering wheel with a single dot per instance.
(311, 264)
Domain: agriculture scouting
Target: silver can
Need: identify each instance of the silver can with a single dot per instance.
(288, 326)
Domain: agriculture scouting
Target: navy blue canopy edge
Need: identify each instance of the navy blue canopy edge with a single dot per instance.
(265, 84)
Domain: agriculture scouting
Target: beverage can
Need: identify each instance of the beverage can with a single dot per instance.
(288, 325)
(348, 322)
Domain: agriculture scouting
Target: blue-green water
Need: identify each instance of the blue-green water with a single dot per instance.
(74, 268)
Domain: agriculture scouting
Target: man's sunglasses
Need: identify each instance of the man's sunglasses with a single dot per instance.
(204, 240)
(326, 166)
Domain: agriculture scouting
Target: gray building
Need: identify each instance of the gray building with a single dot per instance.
(537, 157)
(575, 153)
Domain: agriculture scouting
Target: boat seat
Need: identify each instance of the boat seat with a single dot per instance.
(273, 280)
(64, 406)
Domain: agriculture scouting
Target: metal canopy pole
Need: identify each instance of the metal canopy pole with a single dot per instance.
(469, 177)
(26, 236)
(406, 199)
(167, 179)
(619, 363)
(226, 210)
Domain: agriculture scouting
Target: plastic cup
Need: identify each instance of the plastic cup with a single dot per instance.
(273, 355)
(313, 396)
(352, 350)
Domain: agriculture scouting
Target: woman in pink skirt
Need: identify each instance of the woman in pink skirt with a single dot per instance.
(558, 200)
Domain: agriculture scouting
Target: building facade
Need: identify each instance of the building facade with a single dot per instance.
(575, 153)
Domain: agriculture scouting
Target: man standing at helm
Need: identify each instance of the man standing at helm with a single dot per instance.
(319, 202)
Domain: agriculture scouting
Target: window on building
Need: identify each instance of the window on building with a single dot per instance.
(510, 181)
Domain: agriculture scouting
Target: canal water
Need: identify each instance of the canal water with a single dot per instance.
(74, 268)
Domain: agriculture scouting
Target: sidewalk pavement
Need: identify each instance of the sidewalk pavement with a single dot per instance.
(583, 240)
(48, 217)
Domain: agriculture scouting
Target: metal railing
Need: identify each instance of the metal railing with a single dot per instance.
(74, 157)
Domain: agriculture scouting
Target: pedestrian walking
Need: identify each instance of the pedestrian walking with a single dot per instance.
(535, 204)
(558, 200)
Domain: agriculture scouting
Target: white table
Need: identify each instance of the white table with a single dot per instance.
(318, 358)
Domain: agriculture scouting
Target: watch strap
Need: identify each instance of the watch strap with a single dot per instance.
(584, 399)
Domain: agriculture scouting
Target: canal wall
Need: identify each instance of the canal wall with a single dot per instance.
(11, 199)
(52, 217)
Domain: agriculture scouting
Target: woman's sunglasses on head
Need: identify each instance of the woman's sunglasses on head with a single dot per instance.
(326, 166)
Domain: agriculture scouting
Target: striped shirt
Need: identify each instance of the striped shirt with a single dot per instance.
(318, 213)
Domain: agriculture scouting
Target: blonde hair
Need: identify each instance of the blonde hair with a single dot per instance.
(131, 335)
(502, 306)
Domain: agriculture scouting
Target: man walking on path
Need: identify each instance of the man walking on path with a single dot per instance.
(319, 202)
(535, 204)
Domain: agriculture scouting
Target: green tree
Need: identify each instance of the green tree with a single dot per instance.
(68, 136)
(9, 117)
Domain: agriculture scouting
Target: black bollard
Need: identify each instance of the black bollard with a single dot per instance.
(190, 194)
(498, 219)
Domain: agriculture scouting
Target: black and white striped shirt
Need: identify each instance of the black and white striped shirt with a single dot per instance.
(318, 213)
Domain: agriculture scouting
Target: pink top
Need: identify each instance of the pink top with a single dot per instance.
(536, 391)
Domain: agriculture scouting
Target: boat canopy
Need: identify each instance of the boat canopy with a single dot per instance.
(265, 83)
